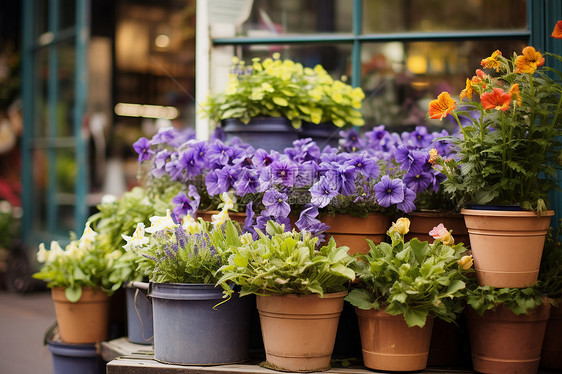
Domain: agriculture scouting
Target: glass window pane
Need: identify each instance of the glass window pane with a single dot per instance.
(399, 79)
(278, 17)
(67, 14)
(41, 120)
(383, 16)
(41, 15)
(66, 92)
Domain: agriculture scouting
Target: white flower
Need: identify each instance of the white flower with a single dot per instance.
(108, 199)
(42, 254)
(229, 200)
(55, 251)
(88, 237)
(137, 240)
(189, 224)
(220, 218)
(74, 250)
(161, 223)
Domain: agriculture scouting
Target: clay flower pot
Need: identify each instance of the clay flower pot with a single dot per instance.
(389, 344)
(551, 356)
(352, 231)
(503, 342)
(85, 321)
(299, 331)
(506, 245)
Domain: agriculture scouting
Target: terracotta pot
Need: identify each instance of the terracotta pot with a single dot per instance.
(389, 344)
(503, 342)
(299, 331)
(352, 231)
(506, 245)
(85, 321)
(551, 356)
(235, 216)
(421, 223)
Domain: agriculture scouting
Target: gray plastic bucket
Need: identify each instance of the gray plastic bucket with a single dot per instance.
(75, 358)
(188, 331)
(139, 317)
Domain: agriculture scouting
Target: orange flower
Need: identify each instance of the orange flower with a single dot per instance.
(480, 74)
(492, 61)
(468, 91)
(557, 33)
(514, 91)
(442, 106)
(529, 61)
(498, 100)
(433, 156)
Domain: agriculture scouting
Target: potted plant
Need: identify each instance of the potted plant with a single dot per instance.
(506, 327)
(506, 163)
(402, 287)
(299, 288)
(193, 324)
(80, 277)
(550, 284)
(275, 96)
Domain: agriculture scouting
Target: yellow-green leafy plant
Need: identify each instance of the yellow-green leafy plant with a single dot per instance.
(284, 88)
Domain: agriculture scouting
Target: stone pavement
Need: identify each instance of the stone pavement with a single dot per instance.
(23, 320)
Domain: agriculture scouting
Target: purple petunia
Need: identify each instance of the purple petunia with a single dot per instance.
(345, 178)
(227, 177)
(418, 182)
(184, 205)
(284, 171)
(275, 203)
(350, 141)
(249, 221)
(160, 160)
(407, 205)
(410, 160)
(142, 147)
(323, 191)
(389, 191)
(247, 182)
(364, 164)
(212, 183)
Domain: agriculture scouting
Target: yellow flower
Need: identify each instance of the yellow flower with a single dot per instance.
(220, 218)
(468, 91)
(514, 91)
(442, 106)
(189, 224)
(433, 155)
(161, 223)
(401, 226)
(465, 262)
(529, 61)
(492, 61)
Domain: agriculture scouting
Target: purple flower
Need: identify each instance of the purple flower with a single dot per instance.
(364, 164)
(174, 168)
(247, 182)
(275, 203)
(164, 135)
(407, 205)
(420, 138)
(307, 174)
(303, 150)
(227, 177)
(389, 191)
(218, 134)
(351, 142)
(194, 194)
(418, 182)
(212, 183)
(219, 154)
(345, 178)
(142, 147)
(184, 206)
(262, 220)
(200, 150)
(160, 161)
(188, 162)
(411, 160)
(262, 159)
(284, 171)
(249, 221)
(442, 146)
(323, 191)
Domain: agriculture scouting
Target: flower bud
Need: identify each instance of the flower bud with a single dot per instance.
(401, 226)
(465, 262)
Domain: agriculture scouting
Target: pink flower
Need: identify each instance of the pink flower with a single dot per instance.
(442, 234)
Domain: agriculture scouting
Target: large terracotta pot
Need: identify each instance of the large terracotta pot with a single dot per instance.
(503, 342)
(235, 216)
(85, 321)
(421, 223)
(352, 231)
(506, 245)
(551, 356)
(389, 344)
(299, 331)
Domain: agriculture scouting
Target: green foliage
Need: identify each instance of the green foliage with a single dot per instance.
(518, 300)
(550, 273)
(414, 279)
(83, 263)
(283, 263)
(283, 88)
(508, 157)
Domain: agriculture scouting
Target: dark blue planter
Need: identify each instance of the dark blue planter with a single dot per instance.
(139, 317)
(269, 133)
(188, 330)
(505, 208)
(76, 358)
(322, 133)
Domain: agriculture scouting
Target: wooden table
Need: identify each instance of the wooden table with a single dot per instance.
(124, 357)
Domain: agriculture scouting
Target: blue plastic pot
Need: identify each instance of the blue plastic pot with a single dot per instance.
(188, 330)
(269, 133)
(139, 317)
(76, 358)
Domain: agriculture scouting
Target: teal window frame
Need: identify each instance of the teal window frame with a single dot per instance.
(50, 142)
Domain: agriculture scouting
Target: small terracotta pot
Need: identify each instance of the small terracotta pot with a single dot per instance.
(85, 321)
(299, 331)
(551, 356)
(421, 223)
(389, 344)
(352, 231)
(506, 246)
(503, 342)
(235, 216)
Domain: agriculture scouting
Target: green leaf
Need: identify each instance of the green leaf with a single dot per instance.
(415, 317)
(455, 286)
(73, 294)
(361, 299)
